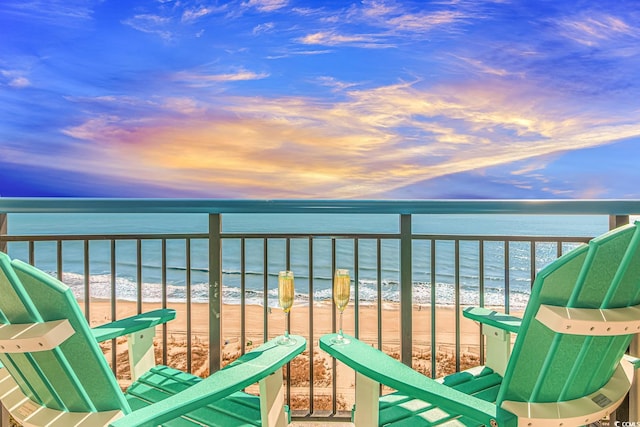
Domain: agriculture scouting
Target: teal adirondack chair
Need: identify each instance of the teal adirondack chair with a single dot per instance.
(567, 367)
(54, 373)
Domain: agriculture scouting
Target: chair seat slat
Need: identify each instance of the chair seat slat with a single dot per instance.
(163, 382)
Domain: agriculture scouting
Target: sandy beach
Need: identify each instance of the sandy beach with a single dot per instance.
(194, 324)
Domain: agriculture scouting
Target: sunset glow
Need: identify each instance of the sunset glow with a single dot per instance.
(306, 99)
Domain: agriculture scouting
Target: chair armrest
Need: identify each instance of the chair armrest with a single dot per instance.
(244, 371)
(496, 319)
(132, 324)
(386, 370)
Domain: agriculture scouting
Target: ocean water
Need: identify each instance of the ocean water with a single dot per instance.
(312, 283)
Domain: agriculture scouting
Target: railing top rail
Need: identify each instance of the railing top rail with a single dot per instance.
(108, 205)
(286, 235)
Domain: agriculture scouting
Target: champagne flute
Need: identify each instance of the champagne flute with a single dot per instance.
(285, 299)
(341, 294)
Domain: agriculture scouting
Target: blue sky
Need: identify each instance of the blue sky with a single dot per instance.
(320, 99)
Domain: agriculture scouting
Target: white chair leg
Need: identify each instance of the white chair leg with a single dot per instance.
(634, 392)
(498, 348)
(4, 416)
(272, 401)
(141, 355)
(367, 395)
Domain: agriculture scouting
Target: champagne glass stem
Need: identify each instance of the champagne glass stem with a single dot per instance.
(286, 326)
(340, 333)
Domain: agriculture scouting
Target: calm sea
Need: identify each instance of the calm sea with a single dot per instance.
(176, 281)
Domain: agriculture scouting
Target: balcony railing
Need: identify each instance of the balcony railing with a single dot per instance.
(408, 284)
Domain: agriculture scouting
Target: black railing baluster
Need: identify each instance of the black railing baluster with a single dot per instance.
(163, 280)
(187, 250)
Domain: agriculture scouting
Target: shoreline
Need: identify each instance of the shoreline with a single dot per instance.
(388, 304)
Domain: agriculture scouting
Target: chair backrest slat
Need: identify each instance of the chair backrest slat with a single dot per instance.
(599, 270)
(628, 274)
(573, 375)
(73, 376)
(551, 367)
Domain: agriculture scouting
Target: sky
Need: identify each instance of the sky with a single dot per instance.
(288, 99)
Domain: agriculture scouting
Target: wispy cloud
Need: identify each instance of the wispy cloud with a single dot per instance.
(485, 68)
(426, 21)
(171, 20)
(335, 84)
(597, 29)
(191, 15)
(331, 38)
(291, 53)
(388, 23)
(182, 105)
(263, 28)
(130, 106)
(102, 128)
(200, 79)
(397, 17)
(266, 5)
(60, 13)
(14, 79)
(152, 24)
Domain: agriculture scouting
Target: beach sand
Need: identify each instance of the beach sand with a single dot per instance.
(323, 366)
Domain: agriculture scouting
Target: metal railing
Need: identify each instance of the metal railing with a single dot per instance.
(414, 260)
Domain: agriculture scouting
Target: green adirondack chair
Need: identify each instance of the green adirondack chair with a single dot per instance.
(567, 367)
(54, 373)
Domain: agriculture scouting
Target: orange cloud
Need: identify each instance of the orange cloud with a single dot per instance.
(370, 143)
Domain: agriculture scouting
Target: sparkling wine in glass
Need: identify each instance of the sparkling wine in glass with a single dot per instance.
(341, 294)
(285, 299)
